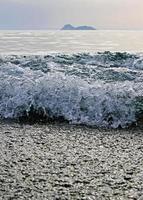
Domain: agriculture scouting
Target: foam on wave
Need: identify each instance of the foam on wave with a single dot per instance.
(103, 89)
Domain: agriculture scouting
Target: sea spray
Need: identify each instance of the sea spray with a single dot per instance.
(103, 89)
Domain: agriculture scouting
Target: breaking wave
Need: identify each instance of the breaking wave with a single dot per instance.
(103, 89)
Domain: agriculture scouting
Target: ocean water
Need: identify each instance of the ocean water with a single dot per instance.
(84, 77)
(42, 42)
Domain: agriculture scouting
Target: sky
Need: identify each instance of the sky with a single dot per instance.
(53, 14)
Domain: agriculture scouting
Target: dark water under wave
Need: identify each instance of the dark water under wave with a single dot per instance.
(102, 89)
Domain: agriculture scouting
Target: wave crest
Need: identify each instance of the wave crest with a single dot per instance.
(77, 90)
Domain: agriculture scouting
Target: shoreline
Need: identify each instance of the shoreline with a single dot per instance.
(62, 161)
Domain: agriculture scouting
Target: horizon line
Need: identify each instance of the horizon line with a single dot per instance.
(55, 29)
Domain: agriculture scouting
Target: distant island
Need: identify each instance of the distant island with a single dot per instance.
(70, 27)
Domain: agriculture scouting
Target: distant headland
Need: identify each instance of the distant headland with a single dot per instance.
(70, 27)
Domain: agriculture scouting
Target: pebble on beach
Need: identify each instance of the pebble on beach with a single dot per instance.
(60, 161)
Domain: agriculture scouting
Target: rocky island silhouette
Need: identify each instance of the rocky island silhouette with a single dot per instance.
(71, 27)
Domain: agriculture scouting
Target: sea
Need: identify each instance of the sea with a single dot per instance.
(83, 77)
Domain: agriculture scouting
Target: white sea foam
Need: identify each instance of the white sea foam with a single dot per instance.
(102, 89)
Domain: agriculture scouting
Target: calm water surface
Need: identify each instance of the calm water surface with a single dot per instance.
(37, 42)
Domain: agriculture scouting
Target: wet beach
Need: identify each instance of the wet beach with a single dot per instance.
(61, 161)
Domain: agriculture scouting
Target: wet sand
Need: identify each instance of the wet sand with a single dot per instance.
(60, 161)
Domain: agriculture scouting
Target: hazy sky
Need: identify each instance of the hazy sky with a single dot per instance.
(53, 14)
